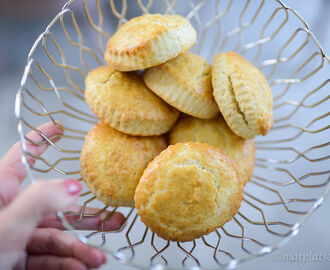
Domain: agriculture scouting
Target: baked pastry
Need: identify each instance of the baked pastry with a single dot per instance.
(113, 162)
(124, 102)
(188, 190)
(243, 95)
(185, 83)
(216, 132)
(149, 40)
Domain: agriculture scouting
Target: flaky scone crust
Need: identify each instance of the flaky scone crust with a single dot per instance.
(185, 83)
(217, 133)
(188, 190)
(113, 162)
(123, 101)
(243, 95)
(149, 40)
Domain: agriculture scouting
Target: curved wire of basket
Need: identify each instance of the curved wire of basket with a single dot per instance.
(267, 218)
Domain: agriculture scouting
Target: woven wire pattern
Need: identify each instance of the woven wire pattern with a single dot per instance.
(291, 177)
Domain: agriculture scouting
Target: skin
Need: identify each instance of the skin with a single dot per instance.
(31, 236)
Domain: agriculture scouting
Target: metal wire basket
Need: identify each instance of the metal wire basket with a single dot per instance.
(291, 177)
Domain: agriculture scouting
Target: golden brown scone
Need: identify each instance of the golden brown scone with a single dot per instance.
(124, 102)
(188, 190)
(243, 95)
(149, 40)
(185, 83)
(113, 162)
(216, 132)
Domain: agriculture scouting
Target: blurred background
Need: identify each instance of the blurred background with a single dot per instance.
(20, 24)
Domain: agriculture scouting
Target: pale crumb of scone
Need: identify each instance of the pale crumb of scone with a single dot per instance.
(217, 133)
(113, 162)
(123, 101)
(149, 40)
(185, 83)
(243, 95)
(188, 190)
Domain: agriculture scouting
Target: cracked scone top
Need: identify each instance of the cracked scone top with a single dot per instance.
(149, 40)
(113, 162)
(217, 133)
(185, 83)
(123, 101)
(188, 190)
(243, 95)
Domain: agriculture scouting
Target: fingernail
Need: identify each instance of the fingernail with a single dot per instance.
(73, 187)
(101, 256)
(104, 258)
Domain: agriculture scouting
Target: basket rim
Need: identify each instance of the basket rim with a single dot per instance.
(118, 255)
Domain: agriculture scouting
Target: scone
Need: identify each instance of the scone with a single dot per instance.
(188, 190)
(124, 102)
(216, 132)
(149, 40)
(113, 162)
(243, 95)
(185, 83)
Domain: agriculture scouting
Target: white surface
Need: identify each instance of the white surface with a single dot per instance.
(314, 235)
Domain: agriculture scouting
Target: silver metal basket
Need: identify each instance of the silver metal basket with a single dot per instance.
(291, 176)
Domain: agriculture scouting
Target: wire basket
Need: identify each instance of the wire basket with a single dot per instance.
(291, 176)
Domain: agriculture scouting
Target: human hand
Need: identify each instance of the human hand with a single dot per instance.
(30, 235)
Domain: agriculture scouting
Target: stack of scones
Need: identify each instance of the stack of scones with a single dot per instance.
(176, 142)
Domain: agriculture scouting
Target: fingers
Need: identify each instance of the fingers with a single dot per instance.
(35, 202)
(50, 262)
(87, 223)
(11, 163)
(12, 170)
(58, 243)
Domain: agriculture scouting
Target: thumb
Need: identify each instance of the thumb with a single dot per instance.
(41, 198)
